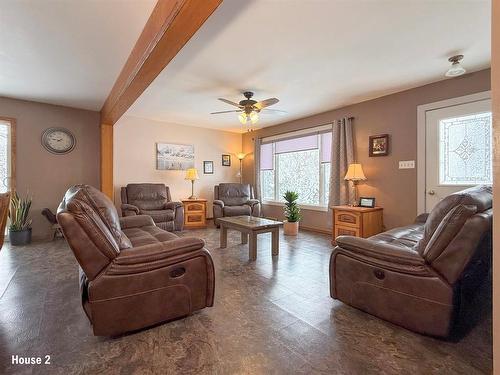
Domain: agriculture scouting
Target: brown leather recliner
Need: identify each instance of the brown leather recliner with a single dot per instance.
(132, 273)
(153, 200)
(417, 276)
(232, 199)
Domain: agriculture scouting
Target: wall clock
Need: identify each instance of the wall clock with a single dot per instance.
(58, 140)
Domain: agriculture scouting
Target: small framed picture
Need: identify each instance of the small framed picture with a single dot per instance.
(226, 160)
(366, 202)
(208, 167)
(379, 145)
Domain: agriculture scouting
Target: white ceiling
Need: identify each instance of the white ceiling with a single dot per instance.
(67, 52)
(314, 56)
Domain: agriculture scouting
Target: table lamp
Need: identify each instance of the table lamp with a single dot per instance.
(355, 174)
(192, 174)
(240, 157)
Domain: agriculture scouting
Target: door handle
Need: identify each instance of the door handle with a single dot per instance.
(431, 192)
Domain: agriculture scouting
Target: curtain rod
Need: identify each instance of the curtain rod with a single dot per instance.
(315, 126)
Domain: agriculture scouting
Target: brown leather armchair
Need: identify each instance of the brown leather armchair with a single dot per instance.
(153, 200)
(232, 199)
(132, 273)
(418, 276)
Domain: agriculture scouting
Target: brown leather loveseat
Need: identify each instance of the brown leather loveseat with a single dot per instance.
(132, 273)
(232, 199)
(417, 276)
(153, 200)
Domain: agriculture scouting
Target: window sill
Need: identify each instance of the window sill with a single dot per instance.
(301, 206)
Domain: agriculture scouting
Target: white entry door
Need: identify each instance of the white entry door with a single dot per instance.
(458, 149)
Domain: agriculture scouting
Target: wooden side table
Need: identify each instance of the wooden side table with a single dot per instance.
(195, 213)
(357, 221)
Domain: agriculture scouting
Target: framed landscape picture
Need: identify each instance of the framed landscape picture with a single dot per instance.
(208, 167)
(171, 156)
(379, 145)
(226, 160)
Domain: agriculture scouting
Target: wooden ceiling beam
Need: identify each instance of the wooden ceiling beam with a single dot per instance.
(170, 26)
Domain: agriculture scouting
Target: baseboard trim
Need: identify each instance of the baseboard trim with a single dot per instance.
(316, 230)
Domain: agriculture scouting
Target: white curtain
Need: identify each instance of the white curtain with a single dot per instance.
(341, 191)
(256, 163)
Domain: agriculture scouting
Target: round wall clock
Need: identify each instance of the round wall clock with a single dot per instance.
(58, 140)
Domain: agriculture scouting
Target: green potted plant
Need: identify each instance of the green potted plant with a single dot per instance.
(20, 222)
(292, 214)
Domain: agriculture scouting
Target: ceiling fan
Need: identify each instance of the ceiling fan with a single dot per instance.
(249, 109)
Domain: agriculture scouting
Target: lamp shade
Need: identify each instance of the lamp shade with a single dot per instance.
(191, 174)
(241, 155)
(355, 173)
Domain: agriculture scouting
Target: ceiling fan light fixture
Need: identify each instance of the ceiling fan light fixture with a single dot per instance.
(243, 118)
(254, 117)
(456, 68)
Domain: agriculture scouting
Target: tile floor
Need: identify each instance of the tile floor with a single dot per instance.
(272, 316)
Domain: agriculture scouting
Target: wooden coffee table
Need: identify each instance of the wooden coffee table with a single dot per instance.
(250, 227)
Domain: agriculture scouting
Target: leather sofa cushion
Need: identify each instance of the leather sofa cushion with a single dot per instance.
(92, 203)
(480, 196)
(447, 230)
(140, 236)
(159, 216)
(237, 210)
(234, 194)
(407, 236)
(110, 215)
(147, 196)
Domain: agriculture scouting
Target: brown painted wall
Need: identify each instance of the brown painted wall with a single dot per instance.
(44, 175)
(395, 114)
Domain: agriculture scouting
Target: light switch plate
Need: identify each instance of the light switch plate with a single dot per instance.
(406, 164)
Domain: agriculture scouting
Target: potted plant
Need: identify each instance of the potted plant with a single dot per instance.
(292, 214)
(20, 222)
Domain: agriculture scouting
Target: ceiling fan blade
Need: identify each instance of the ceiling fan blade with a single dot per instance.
(279, 111)
(266, 103)
(216, 113)
(229, 102)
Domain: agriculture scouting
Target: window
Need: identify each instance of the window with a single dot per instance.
(6, 156)
(465, 150)
(300, 164)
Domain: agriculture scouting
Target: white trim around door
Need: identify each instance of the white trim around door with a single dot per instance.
(421, 121)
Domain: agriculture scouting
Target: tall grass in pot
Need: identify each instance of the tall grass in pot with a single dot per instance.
(20, 221)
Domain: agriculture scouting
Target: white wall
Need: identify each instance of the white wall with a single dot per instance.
(135, 156)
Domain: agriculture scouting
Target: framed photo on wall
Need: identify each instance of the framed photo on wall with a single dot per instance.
(208, 167)
(226, 160)
(172, 156)
(379, 145)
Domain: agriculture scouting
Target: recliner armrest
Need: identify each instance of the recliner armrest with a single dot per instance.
(172, 205)
(252, 202)
(136, 221)
(218, 202)
(150, 257)
(382, 251)
(130, 207)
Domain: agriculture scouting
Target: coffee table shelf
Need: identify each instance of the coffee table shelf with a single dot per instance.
(250, 227)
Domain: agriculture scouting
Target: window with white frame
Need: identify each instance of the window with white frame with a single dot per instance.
(300, 164)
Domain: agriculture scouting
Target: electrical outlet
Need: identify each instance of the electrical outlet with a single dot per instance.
(407, 164)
